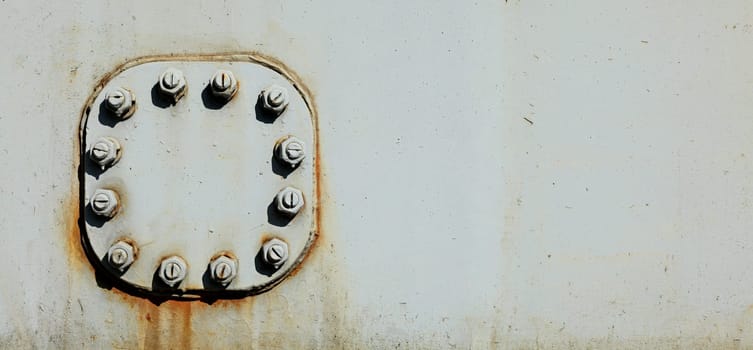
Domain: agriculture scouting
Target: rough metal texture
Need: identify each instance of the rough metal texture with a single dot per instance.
(495, 174)
(199, 176)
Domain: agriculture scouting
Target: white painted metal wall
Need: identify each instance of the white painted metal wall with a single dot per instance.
(495, 174)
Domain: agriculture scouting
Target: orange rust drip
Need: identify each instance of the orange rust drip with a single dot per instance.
(75, 250)
(165, 326)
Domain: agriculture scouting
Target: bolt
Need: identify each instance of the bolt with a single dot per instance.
(121, 255)
(173, 270)
(289, 201)
(223, 84)
(100, 150)
(120, 102)
(274, 99)
(290, 150)
(172, 84)
(221, 81)
(115, 99)
(170, 78)
(275, 252)
(223, 269)
(118, 256)
(105, 151)
(104, 202)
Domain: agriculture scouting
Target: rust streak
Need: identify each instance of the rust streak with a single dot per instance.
(71, 213)
(76, 254)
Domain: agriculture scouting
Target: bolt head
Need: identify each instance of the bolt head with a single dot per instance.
(121, 255)
(223, 84)
(275, 252)
(173, 270)
(115, 98)
(172, 83)
(120, 102)
(223, 269)
(105, 151)
(290, 150)
(289, 201)
(105, 203)
(274, 99)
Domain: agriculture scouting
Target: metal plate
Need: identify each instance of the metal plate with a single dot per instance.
(198, 177)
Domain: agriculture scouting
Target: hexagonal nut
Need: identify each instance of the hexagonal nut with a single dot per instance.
(289, 201)
(172, 84)
(274, 252)
(223, 84)
(290, 150)
(121, 102)
(173, 270)
(274, 99)
(121, 255)
(105, 202)
(105, 151)
(223, 269)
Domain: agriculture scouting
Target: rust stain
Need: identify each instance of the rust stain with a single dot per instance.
(71, 214)
(167, 326)
(76, 254)
(318, 223)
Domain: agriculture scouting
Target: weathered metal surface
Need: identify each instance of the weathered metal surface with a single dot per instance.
(494, 174)
(197, 174)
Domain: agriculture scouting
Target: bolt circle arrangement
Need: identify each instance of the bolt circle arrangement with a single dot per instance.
(275, 252)
(173, 270)
(130, 227)
(172, 84)
(223, 84)
(289, 201)
(105, 203)
(274, 99)
(105, 152)
(290, 150)
(223, 269)
(121, 102)
(121, 255)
